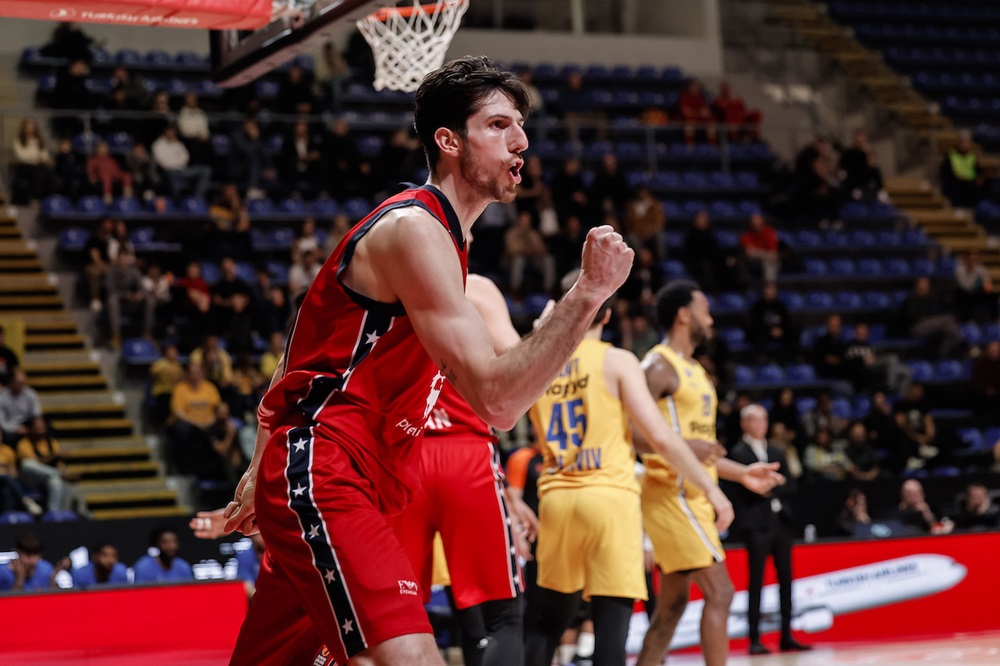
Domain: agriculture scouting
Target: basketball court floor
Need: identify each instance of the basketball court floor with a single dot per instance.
(964, 650)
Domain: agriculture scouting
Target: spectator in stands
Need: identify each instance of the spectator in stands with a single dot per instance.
(136, 93)
(160, 288)
(566, 247)
(866, 367)
(583, 122)
(770, 323)
(216, 363)
(823, 417)
(302, 167)
(399, 160)
(350, 175)
(780, 437)
(226, 209)
(704, 259)
(644, 281)
(103, 569)
(18, 405)
(817, 185)
(732, 110)
(645, 222)
(229, 463)
(913, 511)
(917, 427)
(854, 520)
(98, 251)
(786, 414)
(860, 173)
(249, 162)
(978, 510)
(232, 306)
(165, 373)
(824, 459)
(610, 189)
(173, 157)
(307, 240)
(924, 316)
(523, 245)
(125, 294)
(28, 572)
(146, 178)
(569, 194)
(192, 126)
(195, 303)
(532, 184)
(8, 359)
(250, 386)
(548, 219)
(162, 563)
(975, 299)
(961, 179)
(105, 174)
(302, 274)
(883, 432)
(695, 112)
(830, 350)
(269, 359)
(760, 249)
(638, 336)
(863, 464)
(120, 240)
(338, 229)
(70, 42)
(32, 163)
(160, 117)
(71, 92)
(275, 313)
(295, 94)
(534, 94)
(332, 72)
(986, 382)
(42, 465)
(192, 409)
(69, 172)
(12, 495)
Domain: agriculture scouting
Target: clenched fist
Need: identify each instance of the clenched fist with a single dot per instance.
(607, 262)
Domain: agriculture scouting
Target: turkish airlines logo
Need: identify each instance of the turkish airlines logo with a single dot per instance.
(63, 14)
(408, 587)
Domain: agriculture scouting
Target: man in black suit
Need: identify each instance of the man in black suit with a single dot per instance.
(764, 522)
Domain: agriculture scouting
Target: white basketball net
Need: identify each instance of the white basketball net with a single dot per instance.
(408, 47)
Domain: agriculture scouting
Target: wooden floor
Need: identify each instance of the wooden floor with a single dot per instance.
(978, 650)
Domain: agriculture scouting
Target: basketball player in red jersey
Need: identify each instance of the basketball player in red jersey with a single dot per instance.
(383, 325)
(462, 497)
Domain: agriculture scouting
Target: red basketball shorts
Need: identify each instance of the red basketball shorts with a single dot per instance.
(334, 573)
(462, 497)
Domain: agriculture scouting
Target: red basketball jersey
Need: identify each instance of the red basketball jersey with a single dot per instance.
(355, 367)
(453, 416)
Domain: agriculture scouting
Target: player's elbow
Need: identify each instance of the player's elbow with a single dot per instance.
(498, 409)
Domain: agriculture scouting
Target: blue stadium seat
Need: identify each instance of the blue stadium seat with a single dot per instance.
(220, 144)
(922, 267)
(189, 59)
(324, 207)
(862, 239)
(210, 272)
(732, 336)
(260, 207)
(128, 57)
(991, 437)
(60, 516)
(16, 518)
(947, 470)
(673, 269)
(841, 408)
(56, 204)
(819, 300)
(730, 301)
(274, 143)
(139, 351)
(809, 238)
(742, 375)
(194, 207)
(972, 440)
(91, 205)
(126, 206)
(896, 266)
(770, 373)
(842, 266)
(357, 208)
(948, 370)
(267, 89)
(847, 300)
(991, 333)
(535, 303)
(722, 210)
(278, 270)
(800, 373)
(876, 300)
(889, 238)
(119, 142)
(282, 238)
(922, 371)
(370, 145)
(292, 206)
(805, 404)
(73, 239)
(814, 266)
(727, 239)
(869, 266)
(862, 405)
(142, 238)
(246, 272)
(914, 474)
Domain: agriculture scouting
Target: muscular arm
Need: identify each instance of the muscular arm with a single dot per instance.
(413, 261)
(492, 307)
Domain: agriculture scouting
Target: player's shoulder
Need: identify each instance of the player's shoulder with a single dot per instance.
(483, 290)
(407, 228)
(616, 356)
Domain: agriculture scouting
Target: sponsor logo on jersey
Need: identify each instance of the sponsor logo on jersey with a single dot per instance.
(699, 428)
(408, 587)
(571, 387)
(323, 658)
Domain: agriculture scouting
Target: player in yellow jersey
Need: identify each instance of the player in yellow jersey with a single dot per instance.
(678, 516)
(590, 542)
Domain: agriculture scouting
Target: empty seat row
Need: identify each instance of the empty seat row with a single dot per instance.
(872, 266)
(57, 206)
(663, 181)
(840, 301)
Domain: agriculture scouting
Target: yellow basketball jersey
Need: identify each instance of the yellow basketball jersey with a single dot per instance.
(690, 411)
(582, 429)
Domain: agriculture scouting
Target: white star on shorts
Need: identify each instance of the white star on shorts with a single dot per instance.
(313, 531)
(330, 576)
(372, 338)
(300, 445)
(298, 490)
(348, 626)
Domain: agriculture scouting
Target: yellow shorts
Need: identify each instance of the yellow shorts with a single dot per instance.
(590, 539)
(681, 527)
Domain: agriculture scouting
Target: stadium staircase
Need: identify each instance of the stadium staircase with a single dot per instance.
(114, 472)
(916, 197)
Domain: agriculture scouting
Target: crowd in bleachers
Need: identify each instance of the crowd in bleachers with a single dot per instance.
(255, 200)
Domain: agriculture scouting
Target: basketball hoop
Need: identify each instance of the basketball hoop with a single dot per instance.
(410, 42)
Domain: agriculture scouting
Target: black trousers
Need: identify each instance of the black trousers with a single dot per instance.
(776, 541)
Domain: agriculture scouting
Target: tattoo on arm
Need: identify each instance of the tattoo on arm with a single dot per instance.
(447, 371)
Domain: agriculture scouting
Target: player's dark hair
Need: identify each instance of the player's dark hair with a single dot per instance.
(671, 298)
(449, 95)
(29, 544)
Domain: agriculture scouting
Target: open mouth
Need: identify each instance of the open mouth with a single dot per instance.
(515, 171)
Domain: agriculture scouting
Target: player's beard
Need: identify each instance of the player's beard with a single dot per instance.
(698, 335)
(485, 185)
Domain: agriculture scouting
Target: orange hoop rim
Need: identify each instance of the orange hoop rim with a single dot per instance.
(384, 13)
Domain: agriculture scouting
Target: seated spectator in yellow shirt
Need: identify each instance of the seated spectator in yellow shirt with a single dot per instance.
(192, 412)
(42, 465)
